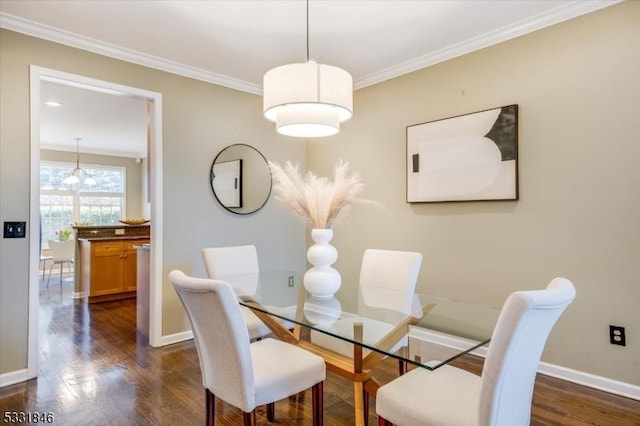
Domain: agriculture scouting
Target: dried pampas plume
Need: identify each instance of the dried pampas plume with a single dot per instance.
(315, 199)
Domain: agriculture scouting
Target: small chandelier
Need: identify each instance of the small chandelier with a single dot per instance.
(74, 176)
(307, 99)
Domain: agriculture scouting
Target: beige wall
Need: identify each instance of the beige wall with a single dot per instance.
(578, 91)
(199, 119)
(134, 203)
(577, 85)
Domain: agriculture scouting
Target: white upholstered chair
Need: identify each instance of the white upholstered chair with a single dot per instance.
(387, 280)
(61, 252)
(240, 263)
(238, 372)
(502, 395)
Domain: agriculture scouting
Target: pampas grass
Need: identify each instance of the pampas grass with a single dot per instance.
(317, 200)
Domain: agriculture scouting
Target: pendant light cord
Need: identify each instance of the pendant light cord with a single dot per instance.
(77, 153)
(307, 30)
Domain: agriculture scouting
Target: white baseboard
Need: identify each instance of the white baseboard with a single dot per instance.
(14, 377)
(591, 380)
(616, 387)
(176, 338)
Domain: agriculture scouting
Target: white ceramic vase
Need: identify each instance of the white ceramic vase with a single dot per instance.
(326, 310)
(322, 281)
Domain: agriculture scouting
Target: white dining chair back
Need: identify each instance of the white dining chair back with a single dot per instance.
(230, 261)
(388, 279)
(387, 286)
(240, 373)
(502, 395)
(221, 339)
(61, 252)
(516, 347)
(238, 264)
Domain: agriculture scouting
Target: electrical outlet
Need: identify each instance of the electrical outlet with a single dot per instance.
(290, 281)
(616, 335)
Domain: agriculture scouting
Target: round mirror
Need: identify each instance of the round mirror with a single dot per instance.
(241, 179)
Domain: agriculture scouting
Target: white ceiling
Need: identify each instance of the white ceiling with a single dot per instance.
(106, 123)
(233, 43)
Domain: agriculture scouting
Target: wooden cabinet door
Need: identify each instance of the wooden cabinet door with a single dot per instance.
(106, 268)
(130, 264)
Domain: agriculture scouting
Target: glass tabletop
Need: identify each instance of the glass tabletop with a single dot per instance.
(421, 329)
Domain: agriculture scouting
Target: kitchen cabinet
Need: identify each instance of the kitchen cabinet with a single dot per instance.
(108, 268)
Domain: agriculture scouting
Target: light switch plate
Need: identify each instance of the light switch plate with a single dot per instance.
(15, 229)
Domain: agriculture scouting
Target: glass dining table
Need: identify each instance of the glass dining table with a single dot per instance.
(360, 326)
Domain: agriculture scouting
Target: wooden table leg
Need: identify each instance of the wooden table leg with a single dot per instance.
(353, 369)
(358, 403)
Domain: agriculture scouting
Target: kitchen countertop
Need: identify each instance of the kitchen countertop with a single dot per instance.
(111, 232)
(116, 237)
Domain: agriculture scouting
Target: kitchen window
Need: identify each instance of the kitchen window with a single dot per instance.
(63, 205)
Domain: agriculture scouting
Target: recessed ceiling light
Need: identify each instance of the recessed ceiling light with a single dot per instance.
(54, 104)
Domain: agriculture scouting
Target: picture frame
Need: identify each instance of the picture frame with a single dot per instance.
(470, 157)
(226, 181)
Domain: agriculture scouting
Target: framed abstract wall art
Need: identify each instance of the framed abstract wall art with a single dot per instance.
(471, 157)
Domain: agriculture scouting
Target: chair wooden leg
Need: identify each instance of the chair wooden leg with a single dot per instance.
(271, 411)
(317, 402)
(365, 407)
(250, 418)
(384, 422)
(403, 367)
(211, 408)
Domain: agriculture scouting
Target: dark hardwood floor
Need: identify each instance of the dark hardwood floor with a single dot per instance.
(95, 369)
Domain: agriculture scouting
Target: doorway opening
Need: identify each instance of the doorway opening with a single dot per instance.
(153, 100)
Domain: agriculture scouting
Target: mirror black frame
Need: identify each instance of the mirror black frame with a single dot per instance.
(244, 208)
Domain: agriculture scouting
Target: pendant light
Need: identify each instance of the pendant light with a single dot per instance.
(77, 173)
(307, 99)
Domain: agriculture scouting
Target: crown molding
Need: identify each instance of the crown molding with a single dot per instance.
(555, 16)
(35, 29)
